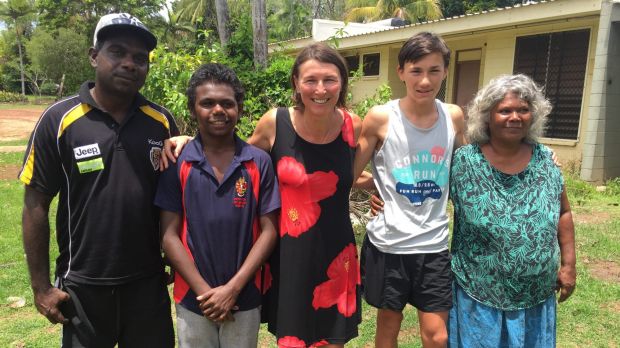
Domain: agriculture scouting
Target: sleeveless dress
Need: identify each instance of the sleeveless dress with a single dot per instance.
(315, 294)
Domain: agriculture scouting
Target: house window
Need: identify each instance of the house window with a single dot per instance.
(557, 61)
(353, 63)
(371, 64)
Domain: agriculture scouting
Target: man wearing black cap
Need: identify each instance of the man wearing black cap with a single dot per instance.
(99, 150)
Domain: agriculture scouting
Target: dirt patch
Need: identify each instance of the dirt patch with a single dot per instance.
(608, 271)
(9, 171)
(13, 148)
(613, 306)
(17, 124)
(589, 217)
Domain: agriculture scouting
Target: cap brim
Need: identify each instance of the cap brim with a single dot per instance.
(150, 41)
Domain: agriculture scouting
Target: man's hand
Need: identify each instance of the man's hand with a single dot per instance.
(376, 205)
(48, 303)
(216, 303)
(567, 278)
(172, 149)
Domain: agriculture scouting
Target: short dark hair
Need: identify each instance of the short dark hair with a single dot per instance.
(215, 73)
(420, 45)
(324, 54)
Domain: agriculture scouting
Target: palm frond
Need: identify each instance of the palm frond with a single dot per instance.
(361, 14)
(424, 10)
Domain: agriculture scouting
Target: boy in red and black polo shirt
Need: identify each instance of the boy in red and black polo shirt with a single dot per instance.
(219, 204)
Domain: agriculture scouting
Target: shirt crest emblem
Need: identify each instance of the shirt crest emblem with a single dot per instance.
(154, 156)
(241, 187)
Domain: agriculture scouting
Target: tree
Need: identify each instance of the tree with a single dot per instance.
(171, 30)
(451, 8)
(221, 11)
(291, 19)
(65, 54)
(472, 6)
(412, 10)
(82, 16)
(259, 26)
(330, 9)
(18, 14)
(200, 13)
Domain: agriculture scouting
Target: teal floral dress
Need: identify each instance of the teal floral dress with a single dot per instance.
(505, 251)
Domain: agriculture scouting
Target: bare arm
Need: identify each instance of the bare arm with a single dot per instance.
(365, 182)
(176, 253)
(265, 132)
(217, 302)
(567, 275)
(458, 121)
(36, 237)
(374, 128)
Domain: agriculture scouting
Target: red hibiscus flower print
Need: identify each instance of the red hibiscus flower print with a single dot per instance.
(344, 276)
(300, 193)
(291, 342)
(294, 342)
(348, 134)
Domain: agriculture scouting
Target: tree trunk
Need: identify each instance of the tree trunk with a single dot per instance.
(62, 85)
(21, 60)
(259, 26)
(222, 13)
(316, 11)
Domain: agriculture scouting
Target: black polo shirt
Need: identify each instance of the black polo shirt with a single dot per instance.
(106, 176)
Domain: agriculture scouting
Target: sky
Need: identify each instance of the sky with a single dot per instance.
(163, 11)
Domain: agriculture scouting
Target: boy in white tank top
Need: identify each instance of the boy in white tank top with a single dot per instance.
(410, 142)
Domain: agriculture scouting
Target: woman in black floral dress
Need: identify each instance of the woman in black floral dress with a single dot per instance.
(315, 293)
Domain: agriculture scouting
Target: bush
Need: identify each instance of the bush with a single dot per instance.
(613, 187)
(49, 88)
(381, 96)
(10, 97)
(170, 73)
(167, 81)
(579, 191)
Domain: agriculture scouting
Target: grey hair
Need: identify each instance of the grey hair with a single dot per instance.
(479, 110)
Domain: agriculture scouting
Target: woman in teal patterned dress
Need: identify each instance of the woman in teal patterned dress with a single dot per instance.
(513, 241)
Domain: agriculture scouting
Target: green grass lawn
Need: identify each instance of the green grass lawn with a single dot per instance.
(17, 142)
(590, 318)
(19, 106)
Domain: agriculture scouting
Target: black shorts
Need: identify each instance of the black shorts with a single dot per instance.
(390, 281)
(136, 314)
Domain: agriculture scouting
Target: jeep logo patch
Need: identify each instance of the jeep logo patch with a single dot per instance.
(86, 151)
